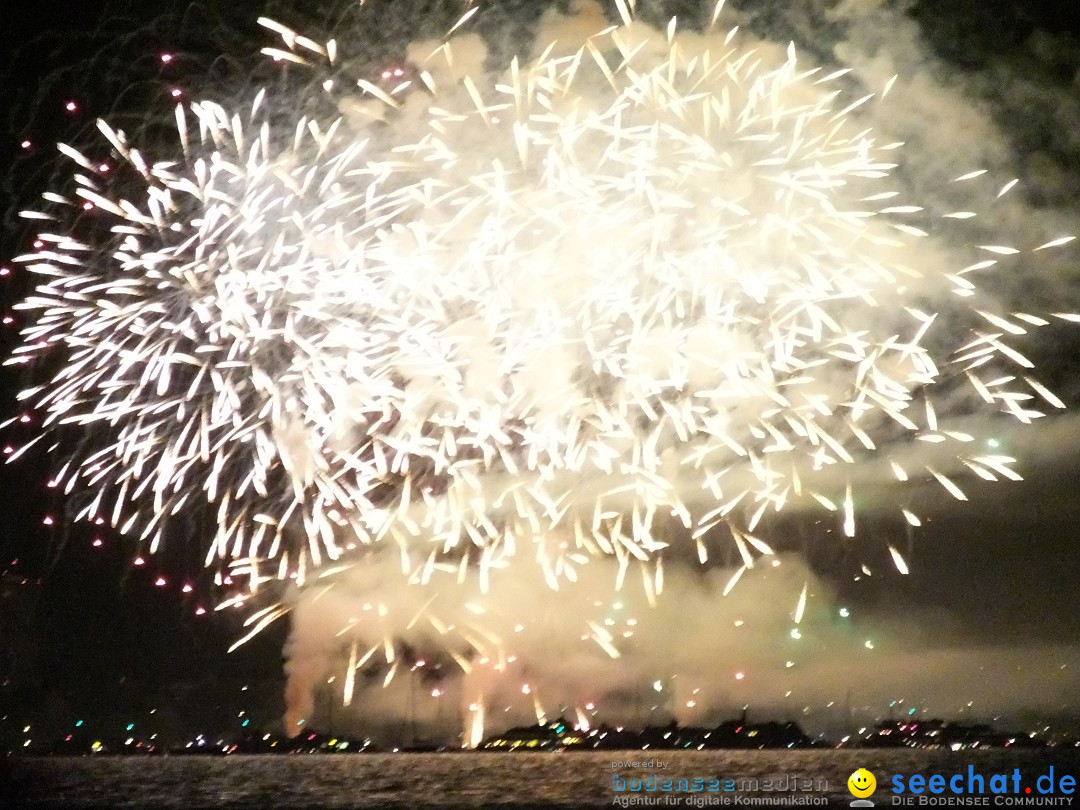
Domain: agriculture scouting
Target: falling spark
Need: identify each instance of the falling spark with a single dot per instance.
(800, 608)
(898, 561)
(849, 513)
(350, 676)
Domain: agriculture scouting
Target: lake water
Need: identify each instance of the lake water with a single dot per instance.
(470, 780)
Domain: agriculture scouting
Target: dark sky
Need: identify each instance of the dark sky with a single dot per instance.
(101, 637)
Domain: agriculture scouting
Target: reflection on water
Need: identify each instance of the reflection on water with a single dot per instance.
(467, 780)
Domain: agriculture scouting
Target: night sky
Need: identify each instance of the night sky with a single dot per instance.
(87, 632)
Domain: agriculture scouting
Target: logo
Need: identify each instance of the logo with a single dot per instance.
(862, 785)
(970, 788)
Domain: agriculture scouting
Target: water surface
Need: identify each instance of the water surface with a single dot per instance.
(467, 780)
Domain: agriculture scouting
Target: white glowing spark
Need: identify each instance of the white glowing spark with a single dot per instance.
(898, 560)
(800, 608)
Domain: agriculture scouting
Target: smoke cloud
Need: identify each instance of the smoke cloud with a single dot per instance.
(440, 652)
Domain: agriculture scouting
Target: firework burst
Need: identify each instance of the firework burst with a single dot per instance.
(638, 293)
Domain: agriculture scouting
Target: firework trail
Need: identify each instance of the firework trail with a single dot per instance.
(632, 293)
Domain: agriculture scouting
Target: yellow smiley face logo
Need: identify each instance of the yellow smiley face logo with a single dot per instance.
(861, 783)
